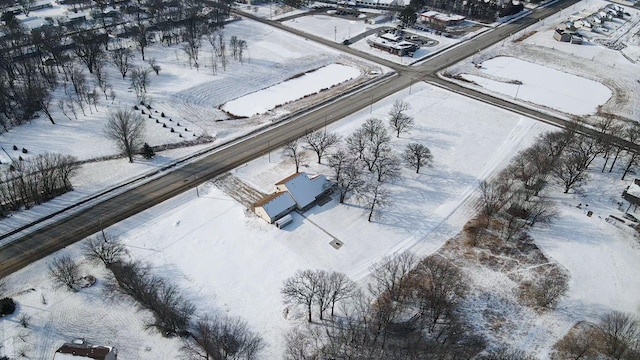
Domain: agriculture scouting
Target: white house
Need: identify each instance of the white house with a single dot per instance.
(298, 191)
(82, 351)
(274, 206)
(303, 189)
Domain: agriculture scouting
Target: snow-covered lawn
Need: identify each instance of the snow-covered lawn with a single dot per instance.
(311, 83)
(228, 260)
(592, 61)
(541, 85)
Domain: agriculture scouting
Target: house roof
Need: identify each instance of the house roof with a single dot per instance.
(436, 15)
(70, 351)
(303, 189)
(634, 190)
(275, 204)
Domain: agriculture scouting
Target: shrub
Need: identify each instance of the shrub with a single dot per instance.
(162, 114)
(172, 130)
(24, 150)
(7, 306)
(135, 107)
(15, 147)
(147, 151)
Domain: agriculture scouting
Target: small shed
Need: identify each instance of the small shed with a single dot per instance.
(632, 194)
(284, 221)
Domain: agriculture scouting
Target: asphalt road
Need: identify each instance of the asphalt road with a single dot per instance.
(66, 231)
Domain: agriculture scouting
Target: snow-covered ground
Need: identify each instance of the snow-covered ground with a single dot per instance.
(190, 99)
(228, 260)
(612, 68)
(541, 85)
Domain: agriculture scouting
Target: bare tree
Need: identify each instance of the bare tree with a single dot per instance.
(494, 195)
(578, 343)
(242, 46)
(399, 121)
(319, 142)
(391, 275)
(376, 142)
(620, 333)
(347, 172)
(631, 133)
(550, 287)
(340, 288)
(374, 196)
(26, 6)
(121, 59)
(541, 210)
(440, 287)
(570, 170)
(417, 155)
(64, 272)
(299, 346)
(357, 143)
(293, 151)
(88, 46)
(387, 168)
(222, 337)
(126, 129)
(154, 66)
(608, 126)
(107, 249)
(301, 289)
(140, 80)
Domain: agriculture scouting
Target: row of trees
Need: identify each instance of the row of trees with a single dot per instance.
(365, 161)
(515, 196)
(32, 62)
(35, 180)
(409, 310)
(207, 337)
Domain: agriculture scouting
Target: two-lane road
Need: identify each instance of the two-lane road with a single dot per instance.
(68, 230)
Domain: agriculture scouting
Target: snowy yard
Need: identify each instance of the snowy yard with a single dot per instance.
(228, 261)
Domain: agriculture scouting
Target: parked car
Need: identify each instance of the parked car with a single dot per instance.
(631, 217)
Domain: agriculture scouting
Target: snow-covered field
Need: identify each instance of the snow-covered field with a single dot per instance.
(187, 96)
(610, 68)
(541, 85)
(227, 260)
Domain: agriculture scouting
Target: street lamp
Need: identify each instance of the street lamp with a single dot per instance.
(371, 108)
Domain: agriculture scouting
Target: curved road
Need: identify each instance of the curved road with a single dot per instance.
(68, 230)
